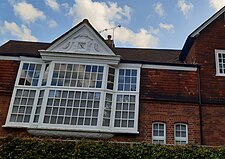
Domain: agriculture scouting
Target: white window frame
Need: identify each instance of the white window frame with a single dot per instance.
(181, 139)
(17, 86)
(103, 90)
(217, 52)
(159, 137)
(136, 93)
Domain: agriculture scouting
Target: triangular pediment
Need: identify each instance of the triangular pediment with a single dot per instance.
(82, 39)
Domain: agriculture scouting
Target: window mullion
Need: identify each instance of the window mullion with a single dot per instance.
(105, 74)
(41, 75)
(49, 78)
(136, 111)
(101, 109)
(34, 106)
(43, 107)
(112, 118)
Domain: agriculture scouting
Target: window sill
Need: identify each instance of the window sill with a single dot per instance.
(78, 134)
(222, 75)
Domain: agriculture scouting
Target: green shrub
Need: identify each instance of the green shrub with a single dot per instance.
(15, 148)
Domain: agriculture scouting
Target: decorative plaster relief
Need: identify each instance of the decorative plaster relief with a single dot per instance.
(81, 43)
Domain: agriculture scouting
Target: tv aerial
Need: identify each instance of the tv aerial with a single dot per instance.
(113, 29)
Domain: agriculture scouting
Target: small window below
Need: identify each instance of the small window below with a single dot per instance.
(220, 62)
(158, 133)
(180, 134)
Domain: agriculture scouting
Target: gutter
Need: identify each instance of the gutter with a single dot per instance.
(200, 107)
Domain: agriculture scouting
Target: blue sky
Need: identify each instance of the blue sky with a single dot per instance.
(144, 23)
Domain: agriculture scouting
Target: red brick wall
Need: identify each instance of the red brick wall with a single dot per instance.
(8, 72)
(213, 124)
(169, 85)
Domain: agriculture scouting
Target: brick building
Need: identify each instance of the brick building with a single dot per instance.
(80, 85)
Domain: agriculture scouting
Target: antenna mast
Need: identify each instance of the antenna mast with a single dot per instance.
(113, 29)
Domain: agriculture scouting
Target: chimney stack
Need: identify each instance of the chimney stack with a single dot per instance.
(109, 41)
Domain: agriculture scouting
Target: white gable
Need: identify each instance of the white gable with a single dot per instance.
(81, 40)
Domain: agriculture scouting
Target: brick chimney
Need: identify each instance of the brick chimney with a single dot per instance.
(109, 41)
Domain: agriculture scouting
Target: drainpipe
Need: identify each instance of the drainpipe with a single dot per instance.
(200, 106)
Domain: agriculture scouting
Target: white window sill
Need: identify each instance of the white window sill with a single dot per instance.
(66, 129)
(78, 134)
(219, 74)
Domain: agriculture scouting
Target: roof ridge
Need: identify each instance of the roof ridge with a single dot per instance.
(147, 49)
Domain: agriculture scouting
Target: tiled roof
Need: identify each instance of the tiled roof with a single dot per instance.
(22, 48)
(30, 49)
(148, 55)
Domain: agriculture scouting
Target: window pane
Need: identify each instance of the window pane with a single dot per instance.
(75, 75)
(30, 74)
(124, 110)
(183, 134)
(127, 80)
(72, 107)
(22, 106)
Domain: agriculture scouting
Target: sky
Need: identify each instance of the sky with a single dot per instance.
(163, 24)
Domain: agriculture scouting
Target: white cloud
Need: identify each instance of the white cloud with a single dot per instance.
(184, 6)
(159, 10)
(65, 5)
(27, 13)
(168, 27)
(104, 15)
(217, 4)
(143, 38)
(52, 4)
(52, 24)
(22, 33)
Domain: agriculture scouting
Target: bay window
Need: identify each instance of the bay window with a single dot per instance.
(75, 96)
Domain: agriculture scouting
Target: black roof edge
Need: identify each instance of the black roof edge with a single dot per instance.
(160, 63)
(187, 46)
